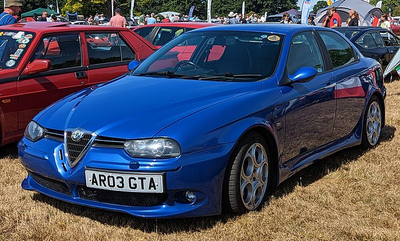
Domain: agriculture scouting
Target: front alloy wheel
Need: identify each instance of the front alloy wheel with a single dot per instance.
(248, 174)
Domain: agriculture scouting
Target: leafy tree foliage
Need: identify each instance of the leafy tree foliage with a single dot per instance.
(219, 7)
(394, 4)
(319, 5)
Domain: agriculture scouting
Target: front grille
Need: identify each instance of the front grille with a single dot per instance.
(122, 198)
(54, 134)
(102, 141)
(51, 184)
(76, 149)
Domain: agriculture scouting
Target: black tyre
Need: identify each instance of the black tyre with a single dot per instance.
(373, 120)
(247, 175)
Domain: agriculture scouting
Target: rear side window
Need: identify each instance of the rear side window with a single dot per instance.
(340, 51)
(107, 48)
(63, 51)
(367, 41)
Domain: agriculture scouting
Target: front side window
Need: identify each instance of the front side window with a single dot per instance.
(339, 50)
(63, 51)
(13, 46)
(226, 55)
(367, 41)
(107, 48)
(304, 52)
(166, 34)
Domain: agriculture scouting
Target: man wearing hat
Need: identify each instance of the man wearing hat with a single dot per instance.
(118, 20)
(232, 18)
(11, 11)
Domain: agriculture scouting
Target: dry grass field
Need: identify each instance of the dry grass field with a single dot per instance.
(352, 195)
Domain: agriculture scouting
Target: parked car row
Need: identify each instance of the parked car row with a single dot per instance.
(377, 43)
(42, 62)
(212, 120)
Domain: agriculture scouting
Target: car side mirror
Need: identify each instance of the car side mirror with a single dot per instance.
(304, 74)
(133, 64)
(37, 66)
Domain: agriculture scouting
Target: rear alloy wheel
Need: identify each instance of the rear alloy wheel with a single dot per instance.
(248, 175)
(372, 123)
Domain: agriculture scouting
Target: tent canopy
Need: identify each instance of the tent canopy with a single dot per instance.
(292, 12)
(38, 12)
(169, 13)
(364, 10)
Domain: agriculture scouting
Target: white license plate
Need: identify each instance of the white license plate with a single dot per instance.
(124, 182)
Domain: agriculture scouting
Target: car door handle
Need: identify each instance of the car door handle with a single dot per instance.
(329, 85)
(80, 74)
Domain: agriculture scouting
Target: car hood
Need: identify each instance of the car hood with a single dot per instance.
(138, 107)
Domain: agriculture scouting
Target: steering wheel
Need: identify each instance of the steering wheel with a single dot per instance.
(186, 62)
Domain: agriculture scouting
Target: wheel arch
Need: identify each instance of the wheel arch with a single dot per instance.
(267, 132)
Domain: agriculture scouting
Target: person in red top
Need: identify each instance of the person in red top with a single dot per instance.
(166, 19)
(375, 21)
(335, 20)
(118, 20)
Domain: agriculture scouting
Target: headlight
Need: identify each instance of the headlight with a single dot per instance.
(153, 148)
(34, 131)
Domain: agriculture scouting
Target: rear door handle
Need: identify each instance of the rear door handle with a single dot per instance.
(80, 74)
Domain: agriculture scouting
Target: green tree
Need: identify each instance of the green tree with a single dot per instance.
(385, 6)
(319, 5)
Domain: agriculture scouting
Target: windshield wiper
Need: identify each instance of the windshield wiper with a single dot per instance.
(230, 76)
(168, 73)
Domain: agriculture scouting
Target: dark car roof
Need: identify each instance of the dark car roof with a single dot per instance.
(180, 24)
(57, 27)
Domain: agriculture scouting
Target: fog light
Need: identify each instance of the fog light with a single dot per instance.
(190, 196)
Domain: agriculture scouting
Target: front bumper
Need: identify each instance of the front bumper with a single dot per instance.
(201, 173)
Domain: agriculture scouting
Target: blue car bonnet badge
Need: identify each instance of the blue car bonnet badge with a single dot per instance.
(77, 135)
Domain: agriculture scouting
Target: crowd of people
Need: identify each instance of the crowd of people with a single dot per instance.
(331, 20)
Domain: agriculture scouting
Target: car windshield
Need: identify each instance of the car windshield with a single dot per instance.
(349, 33)
(13, 46)
(216, 55)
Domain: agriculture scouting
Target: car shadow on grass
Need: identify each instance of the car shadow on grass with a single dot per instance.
(9, 151)
(165, 226)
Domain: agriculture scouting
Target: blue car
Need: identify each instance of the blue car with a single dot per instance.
(209, 122)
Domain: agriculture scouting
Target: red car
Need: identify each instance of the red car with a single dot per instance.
(161, 33)
(395, 26)
(43, 62)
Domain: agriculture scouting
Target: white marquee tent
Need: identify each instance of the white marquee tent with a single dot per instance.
(364, 9)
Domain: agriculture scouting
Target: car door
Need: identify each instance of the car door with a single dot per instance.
(14, 45)
(391, 43)
(310, 110)
(349, 93)
(372, 46)
(108, 56)
(66, 76)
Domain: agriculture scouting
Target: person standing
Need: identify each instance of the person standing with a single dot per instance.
(166, 19)
(151, 19)
(384, 22)
(43, 18)
(334, 20)
(286, 19)
(353, 18)
(117, 20)
(11, 11)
